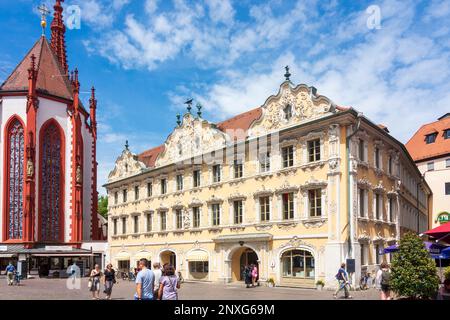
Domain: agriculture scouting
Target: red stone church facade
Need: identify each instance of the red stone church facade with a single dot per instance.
(48, 152)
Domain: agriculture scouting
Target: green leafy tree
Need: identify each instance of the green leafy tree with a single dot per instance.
(413, 271)
(103, 206)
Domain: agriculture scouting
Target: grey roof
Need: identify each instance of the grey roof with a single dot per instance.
(19, 248)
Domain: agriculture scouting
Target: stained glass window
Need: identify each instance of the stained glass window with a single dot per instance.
(51, 184)
(15, 179)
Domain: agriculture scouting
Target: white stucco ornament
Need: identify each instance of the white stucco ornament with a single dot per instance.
(194, 136)
(127, 164)
(290, 106)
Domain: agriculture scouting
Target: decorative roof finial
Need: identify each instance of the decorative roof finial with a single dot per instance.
(58, 38)
(287, 75)
(179, 120)
(199, 108)
(44, 12)
(189, 104)
(127, 146)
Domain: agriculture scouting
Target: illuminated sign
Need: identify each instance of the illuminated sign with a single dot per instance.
(443, 217)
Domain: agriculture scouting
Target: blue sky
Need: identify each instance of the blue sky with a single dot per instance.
(146, 57)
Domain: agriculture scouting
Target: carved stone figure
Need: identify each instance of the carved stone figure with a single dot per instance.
(30, 168)
(79, 175)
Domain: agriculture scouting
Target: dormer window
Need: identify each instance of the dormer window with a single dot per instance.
(287, 112)
(447, 134)
(430, 138)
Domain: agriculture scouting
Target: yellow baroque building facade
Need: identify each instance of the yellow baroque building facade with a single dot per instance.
(296, 186)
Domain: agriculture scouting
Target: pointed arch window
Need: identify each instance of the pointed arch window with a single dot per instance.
(52, 174)
(14, 179)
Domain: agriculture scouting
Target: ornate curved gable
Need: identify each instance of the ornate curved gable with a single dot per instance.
(127, 164)
(193, 137)
(291, 106)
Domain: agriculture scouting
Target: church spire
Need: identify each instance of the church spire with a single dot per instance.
(58, 36)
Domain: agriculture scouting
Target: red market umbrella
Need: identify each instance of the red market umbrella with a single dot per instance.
(441, 232)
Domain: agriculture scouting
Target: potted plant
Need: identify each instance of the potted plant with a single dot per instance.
(320, 284)
(271, 282)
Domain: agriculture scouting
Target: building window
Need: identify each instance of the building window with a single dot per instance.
(362, 202)
(136, 193)
(314, 150)
(391, 209)
(447, 163)
(377, 158)
(124, 196)
(198, 266)
(430, 138)
(136, 224)
(179, 218)
(196, 177)
(14, 174)
(149, 222)
(115, 227)
(447, 134)
(361, 150)
(116, 197)
(163, 217)
(163, 186)
(237, 211)
(287, 110)
(264, 162)
(447, 188)
(363, 254)
(124, 225)
(149, 189)
(430, 166)
(215, 208)
(238, 169)
(264, 208)
(288, 156)
(378, 206)
(390, 165)
(216, 172)
(288, 205)
(179, 182)
(196, 217)
(315, 202)
(298, 264)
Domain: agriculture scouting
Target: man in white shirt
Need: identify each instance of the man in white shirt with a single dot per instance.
(158, 274)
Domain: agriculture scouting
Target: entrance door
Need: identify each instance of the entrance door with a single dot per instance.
(169, 257)
(248, 257)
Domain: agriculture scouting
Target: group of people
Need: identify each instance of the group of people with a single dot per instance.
(250, 275)
(156, 284)
(382, 281)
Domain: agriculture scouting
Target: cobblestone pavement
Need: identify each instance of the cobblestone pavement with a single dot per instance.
(56, 289)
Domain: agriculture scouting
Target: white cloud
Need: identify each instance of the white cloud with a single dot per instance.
(151, 6)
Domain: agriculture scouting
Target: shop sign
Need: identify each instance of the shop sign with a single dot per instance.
(3, 248)
(58, 248)
(443, 217)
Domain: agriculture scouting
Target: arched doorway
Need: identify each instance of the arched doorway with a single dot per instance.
(297, 268)
(168, 257)
(240, 259)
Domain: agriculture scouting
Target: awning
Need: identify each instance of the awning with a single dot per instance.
(122, 256)
(62, 254)
(197, 255)
(7, 255)
(441, 232)
(244, 237)
(143, 255)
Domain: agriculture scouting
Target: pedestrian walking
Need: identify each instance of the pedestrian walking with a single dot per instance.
(94, 282)
(10, 269)
(158, 274)
(343, 282)
(254, 275)
(109, 280)
(247, 276)
(145, 282)
(385, 281)
(169, 284)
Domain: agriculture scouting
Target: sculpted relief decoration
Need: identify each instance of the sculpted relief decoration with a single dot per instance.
(127, 164)
(290, 106)
(193, 137)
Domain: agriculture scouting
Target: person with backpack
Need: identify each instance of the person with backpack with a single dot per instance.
(168, 284)
(343, 282)
(385, 281)
(247, 274)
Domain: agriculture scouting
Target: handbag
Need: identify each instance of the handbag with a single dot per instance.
(90, 283)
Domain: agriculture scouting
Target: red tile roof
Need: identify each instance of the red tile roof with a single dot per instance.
(420, 150)
(50, 79)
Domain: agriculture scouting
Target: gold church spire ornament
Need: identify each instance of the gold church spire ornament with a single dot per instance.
(44, 13)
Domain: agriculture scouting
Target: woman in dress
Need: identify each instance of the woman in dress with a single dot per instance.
(110, 280)
(254, 275)
(94, 279)
(169, 284)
